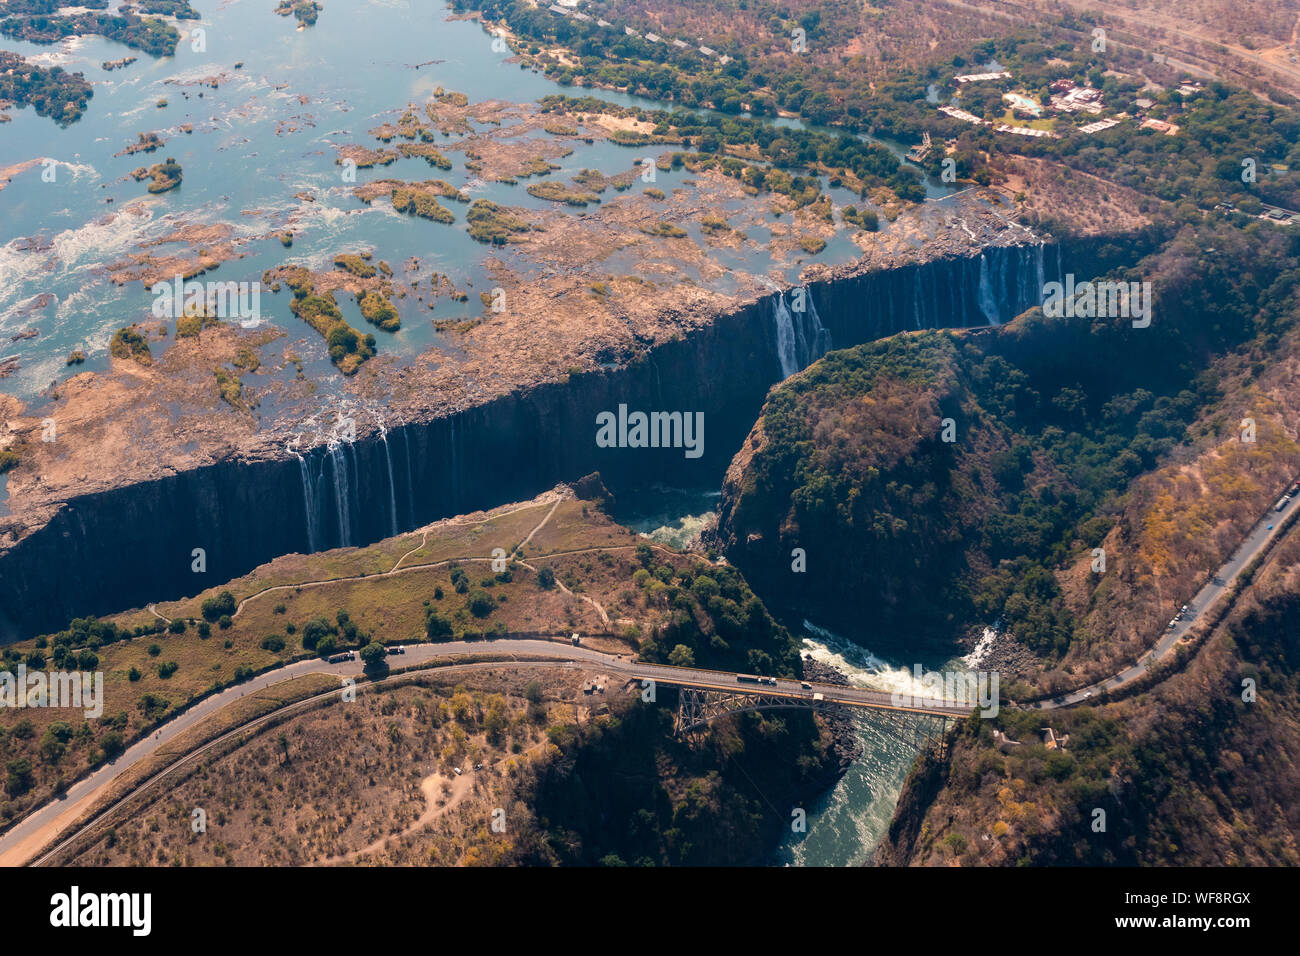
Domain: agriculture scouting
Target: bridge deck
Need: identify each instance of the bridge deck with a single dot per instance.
(831, 693)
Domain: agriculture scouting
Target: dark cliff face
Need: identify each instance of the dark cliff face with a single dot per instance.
(892, 559)
(127, 547)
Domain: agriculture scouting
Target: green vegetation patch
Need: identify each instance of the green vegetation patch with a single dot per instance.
(491, 223)
(419, 203)
(153, 36)
(127, 343)
(559, 192)
(355, 264)
(54, 93)
(378, 310)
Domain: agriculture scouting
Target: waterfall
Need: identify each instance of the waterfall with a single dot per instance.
(410, 485)
(986, 301)
(338, 458)
(785, 350)
(392, 491)
(1038, 292)
(821, 336)
(308, 500)
(801, 339)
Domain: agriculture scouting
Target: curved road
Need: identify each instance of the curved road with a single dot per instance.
(1257, 541)
(38, 829)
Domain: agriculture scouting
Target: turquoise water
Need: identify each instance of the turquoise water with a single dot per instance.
(846, 823)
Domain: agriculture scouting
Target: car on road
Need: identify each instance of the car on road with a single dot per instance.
(805, 685)
(1173, 624)
(397, 650)
(1087, 694)
(1270, 527)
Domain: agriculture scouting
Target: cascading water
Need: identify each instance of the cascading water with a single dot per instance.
(801, 339)
(338, 458)
(988, 304)
(785, 348)
(392, 490)
(308, 500)
(820, 336)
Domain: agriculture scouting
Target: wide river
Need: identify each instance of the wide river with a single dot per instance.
(268, 133)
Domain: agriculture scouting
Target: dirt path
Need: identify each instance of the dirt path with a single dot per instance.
(398, 569)
(541, 524)
(435, 806)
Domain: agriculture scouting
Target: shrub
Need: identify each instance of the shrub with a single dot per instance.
(314, 630)
(214, 607)
(436, 626)
(481, 603)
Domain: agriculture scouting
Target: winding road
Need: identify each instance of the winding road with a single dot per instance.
(1272, 526)
(26, 839)
(23, 842)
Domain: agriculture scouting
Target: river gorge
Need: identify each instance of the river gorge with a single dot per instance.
(134, 544)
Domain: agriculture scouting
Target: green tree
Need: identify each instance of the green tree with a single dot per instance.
(681, 656)
(481, 604)
(374, 654)
(436, 626)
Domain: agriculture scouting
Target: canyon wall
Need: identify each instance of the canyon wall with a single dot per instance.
(124, 548)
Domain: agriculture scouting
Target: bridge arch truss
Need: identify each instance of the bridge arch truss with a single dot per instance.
(699, 707)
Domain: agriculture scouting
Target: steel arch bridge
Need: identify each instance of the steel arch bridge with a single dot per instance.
(699, 707)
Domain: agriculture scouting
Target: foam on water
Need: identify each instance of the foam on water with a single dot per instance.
(845, 825)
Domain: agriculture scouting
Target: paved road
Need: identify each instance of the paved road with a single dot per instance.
(1254, 544)
(26, 838)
